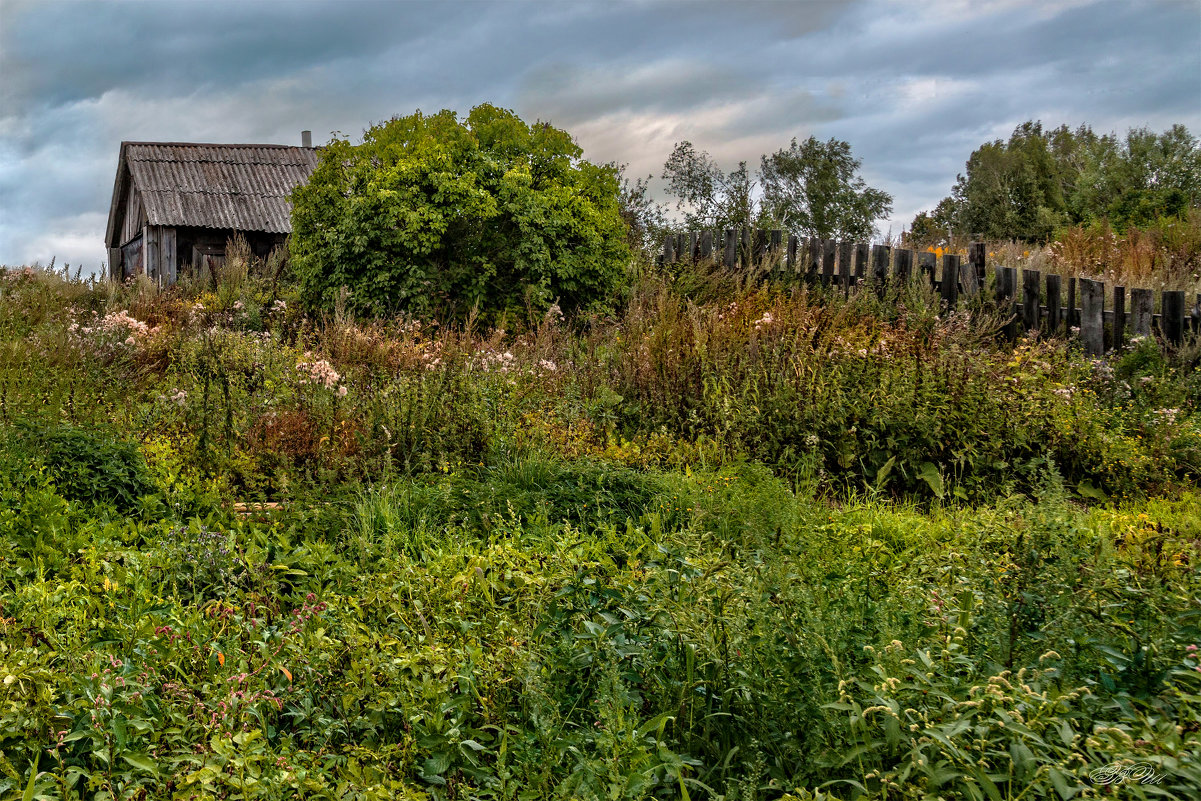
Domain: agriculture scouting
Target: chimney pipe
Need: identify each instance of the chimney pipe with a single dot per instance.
(306, 138)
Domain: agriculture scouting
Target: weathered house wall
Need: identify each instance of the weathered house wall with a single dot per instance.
(175, 205)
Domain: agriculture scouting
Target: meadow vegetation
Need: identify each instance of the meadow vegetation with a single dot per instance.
(728, 541)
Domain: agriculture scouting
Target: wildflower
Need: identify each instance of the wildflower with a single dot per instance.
(318, 372)
(342, 391)
(238, 305)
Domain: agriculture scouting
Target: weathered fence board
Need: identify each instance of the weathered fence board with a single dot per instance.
(1039, 308)
(973, 277)
(1142, 305)
(903, 265)
(829, 254)
(1071, 318)
(861, 256)
(1092, 319)
(846, 251)
(928, 263)
(1031, 299)
(1172, 311)
(880, 257)
(950, 279)
(1119, 318)
(1054, 298)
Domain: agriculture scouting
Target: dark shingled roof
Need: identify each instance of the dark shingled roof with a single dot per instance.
(242, 187)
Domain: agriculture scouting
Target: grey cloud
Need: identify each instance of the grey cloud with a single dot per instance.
(914, 87)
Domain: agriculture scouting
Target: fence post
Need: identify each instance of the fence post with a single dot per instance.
(845, 252)
(903, 267)
(1142, 307)
(861, 251)
(759, 252)
(776, 249)
(1009, 288)
(969, 280)
(669, 249)
(1119, 316)
(793, 266)
(706, 245)
(1054, 298)
(1031, 301)
(829, 253)
(1173, 316)
(730, 257)
(1072, 319)
(973, 277)
(744, 252)
(928, 264)
(950, 280)
(815, 259)
(880, 254)
(1092, 316)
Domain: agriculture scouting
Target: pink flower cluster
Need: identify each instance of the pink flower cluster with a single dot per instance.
(320, 372)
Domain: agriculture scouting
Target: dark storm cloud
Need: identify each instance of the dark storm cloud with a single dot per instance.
(914, 86)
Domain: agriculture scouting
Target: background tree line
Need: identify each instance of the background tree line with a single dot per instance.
(812, 188)
(1040, 181)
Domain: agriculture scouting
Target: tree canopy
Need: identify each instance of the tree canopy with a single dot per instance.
(1039, 180)
(811, 188)
(434, 213)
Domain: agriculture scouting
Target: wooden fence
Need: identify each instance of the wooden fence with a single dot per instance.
(1039, 303)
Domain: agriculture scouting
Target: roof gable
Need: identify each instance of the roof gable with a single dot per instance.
(242, 187)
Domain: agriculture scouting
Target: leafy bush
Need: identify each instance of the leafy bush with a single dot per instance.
(432, 213)
(88, 465)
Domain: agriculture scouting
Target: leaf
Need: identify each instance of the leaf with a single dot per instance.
(286, 672)
(1087, 490)
(1060, 782)
(31, 788)
(141, 762)
(221, 659)
(882, 473)
(929, 473)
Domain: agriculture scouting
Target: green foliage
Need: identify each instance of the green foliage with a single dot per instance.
(430, 213)
(88, 465)
(814, 189)
(1039, 181)
(708, 197)
(701, 548)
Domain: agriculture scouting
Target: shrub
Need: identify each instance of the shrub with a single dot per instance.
(431, 212)
(88, 465)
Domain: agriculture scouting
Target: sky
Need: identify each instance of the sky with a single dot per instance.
(913, 85)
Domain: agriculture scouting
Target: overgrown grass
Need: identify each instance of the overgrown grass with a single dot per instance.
(737, 542)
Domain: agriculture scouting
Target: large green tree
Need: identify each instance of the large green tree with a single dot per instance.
(814, 188)
(431, 213)
(1038, 180)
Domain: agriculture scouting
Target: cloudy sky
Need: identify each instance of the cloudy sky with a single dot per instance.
(913, 85)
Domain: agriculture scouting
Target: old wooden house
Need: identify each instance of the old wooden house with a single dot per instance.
(176, 204)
